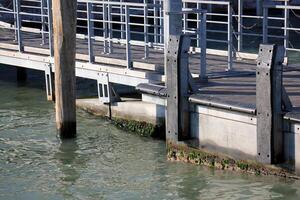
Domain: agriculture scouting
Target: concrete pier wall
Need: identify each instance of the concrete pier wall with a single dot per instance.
(230, 132)
(292, 144)
(217, 130)
(234, 133)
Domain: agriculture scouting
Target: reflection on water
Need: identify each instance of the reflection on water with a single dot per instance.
(102, 162)
(69, 161)
(67, 157)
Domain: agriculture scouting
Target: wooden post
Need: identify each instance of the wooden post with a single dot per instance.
(64, 28)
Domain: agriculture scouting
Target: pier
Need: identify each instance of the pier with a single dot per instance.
(213, 95)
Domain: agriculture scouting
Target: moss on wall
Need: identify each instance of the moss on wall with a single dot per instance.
(140, 128)
(187, 154)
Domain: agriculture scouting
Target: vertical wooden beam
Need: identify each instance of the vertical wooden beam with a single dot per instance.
(269, 104)
(64, 28)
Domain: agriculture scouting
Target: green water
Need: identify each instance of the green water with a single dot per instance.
(103, 162)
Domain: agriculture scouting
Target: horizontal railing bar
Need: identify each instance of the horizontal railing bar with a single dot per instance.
(290, 7)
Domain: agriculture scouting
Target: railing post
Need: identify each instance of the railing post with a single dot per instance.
(240, 25)
(258, 7)
(105, 27)
(265, 24)
(229, 38)
(19, 25)
(110, 29)
(122, 21)
(90, 28)
(203, 76)
(269, 104)
(286, 26)
(127, 27)
(161, 22)
(50, 27)
(146, 39)
(43, 28)
(198, 37)
(156, 29)
(15, 20)
(185, 19)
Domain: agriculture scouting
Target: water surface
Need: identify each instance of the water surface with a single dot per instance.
(102, 162)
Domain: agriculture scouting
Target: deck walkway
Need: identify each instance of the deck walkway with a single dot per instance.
(237, 85)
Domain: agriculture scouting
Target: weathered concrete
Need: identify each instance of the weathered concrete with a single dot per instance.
(292, 143)
(230, 132)
(128, 109)
(215, 130)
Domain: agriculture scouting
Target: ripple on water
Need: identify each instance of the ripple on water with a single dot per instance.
(104, 162)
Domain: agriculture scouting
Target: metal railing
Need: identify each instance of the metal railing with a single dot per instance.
(141, 24)
(124, 24)
(223, 23)
(282, 23)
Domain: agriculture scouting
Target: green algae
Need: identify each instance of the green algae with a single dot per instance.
(184, 153)
(143, 129)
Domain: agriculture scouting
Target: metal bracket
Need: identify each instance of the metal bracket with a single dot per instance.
(269, 104)
(49, 82)
(106, 93)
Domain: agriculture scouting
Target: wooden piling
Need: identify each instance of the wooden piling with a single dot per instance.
(64, 29)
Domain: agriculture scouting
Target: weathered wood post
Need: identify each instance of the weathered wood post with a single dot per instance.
(269, 95)
(64, 27)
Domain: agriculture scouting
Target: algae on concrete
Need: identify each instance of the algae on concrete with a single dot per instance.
(184, 153)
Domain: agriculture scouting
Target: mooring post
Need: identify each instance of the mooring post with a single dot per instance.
(269, 104)
(64, 28)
